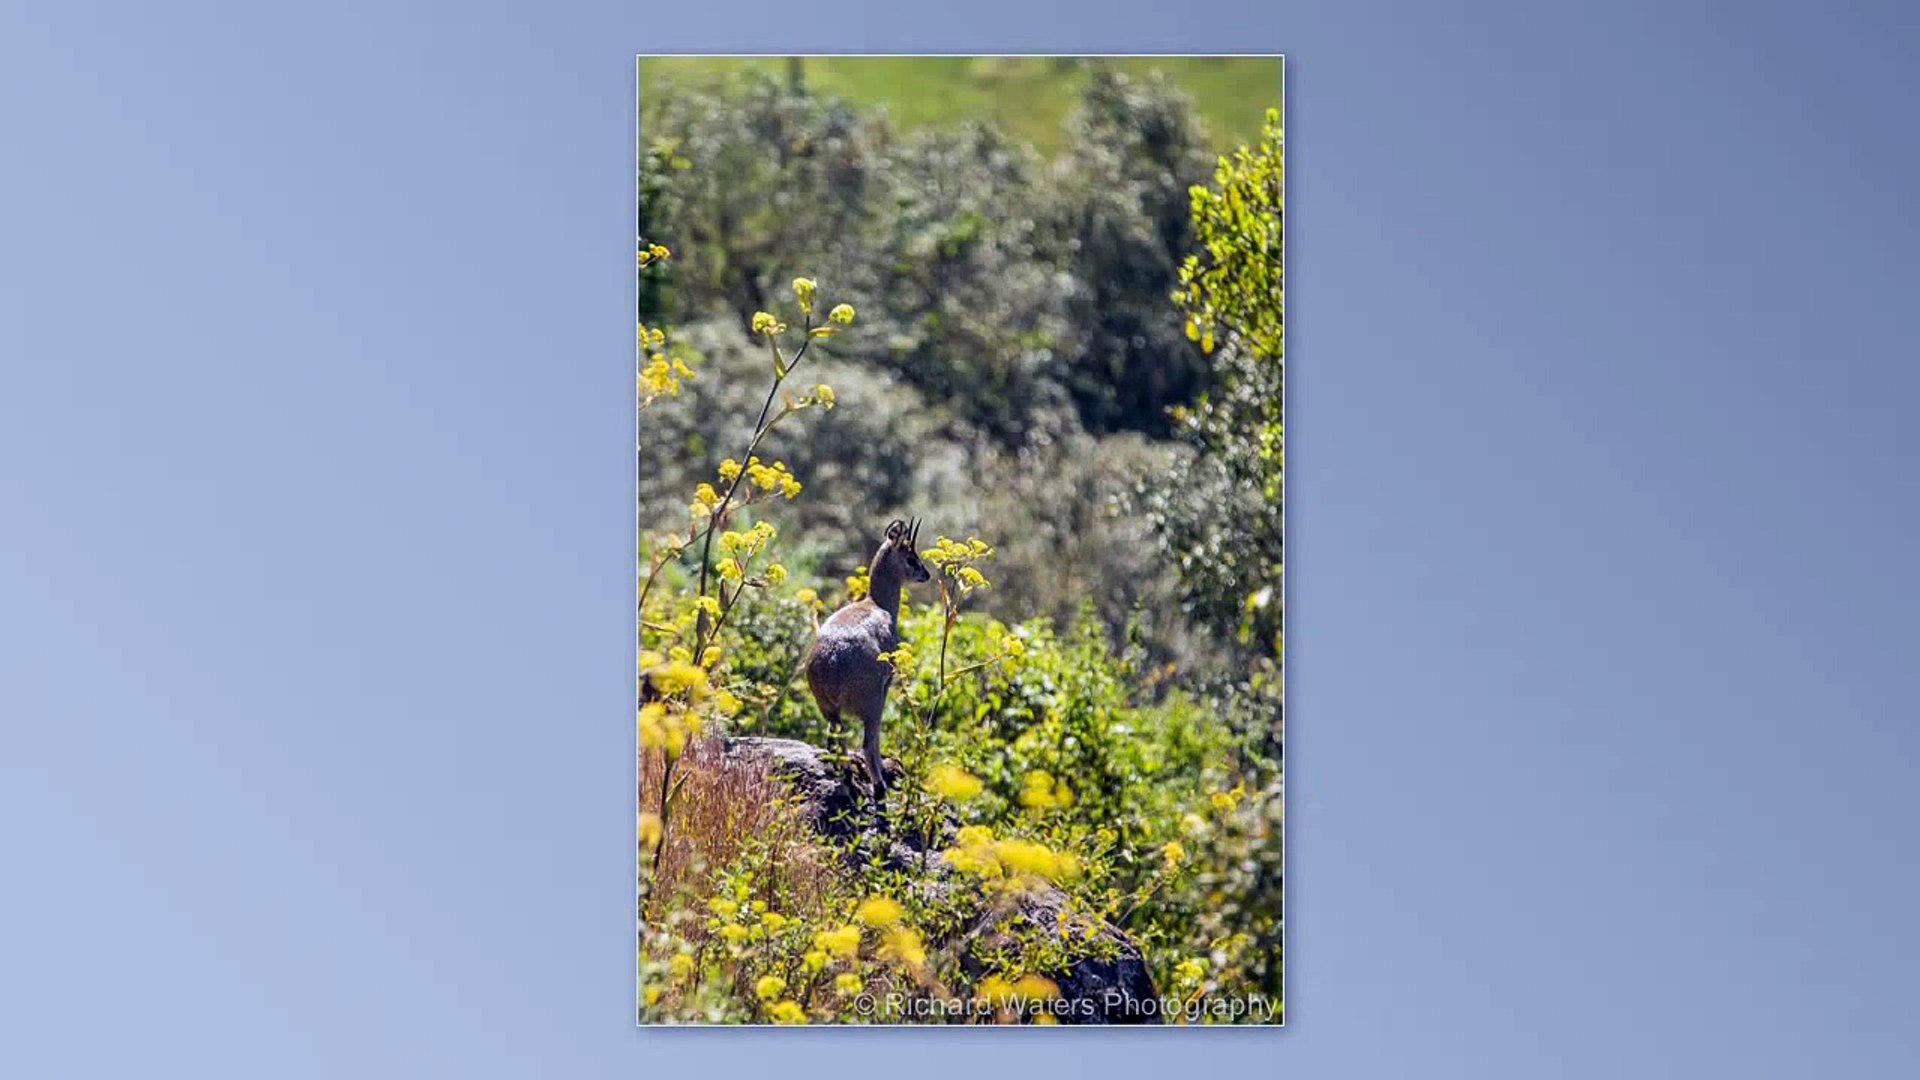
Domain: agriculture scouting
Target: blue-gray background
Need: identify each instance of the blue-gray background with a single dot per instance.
(315, 562)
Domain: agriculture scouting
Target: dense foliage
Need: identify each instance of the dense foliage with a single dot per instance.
(1056, 363)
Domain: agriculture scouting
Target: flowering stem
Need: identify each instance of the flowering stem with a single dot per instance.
(760, 429)
(647, 586)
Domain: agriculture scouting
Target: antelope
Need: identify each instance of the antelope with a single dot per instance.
(843, 664)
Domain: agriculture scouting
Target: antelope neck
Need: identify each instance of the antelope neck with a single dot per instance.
(884, 584)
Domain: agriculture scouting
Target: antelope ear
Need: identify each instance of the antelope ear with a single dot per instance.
(895, 529)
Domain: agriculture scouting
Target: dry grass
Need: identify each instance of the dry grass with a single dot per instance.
(718, 808)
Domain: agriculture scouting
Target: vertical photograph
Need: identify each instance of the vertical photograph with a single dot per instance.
(960, 540)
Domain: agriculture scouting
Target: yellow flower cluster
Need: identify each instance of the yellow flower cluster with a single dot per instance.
(977, 852)
(662, 375)
(803, 292)
(843, 943)
(952, 782)
(787, 1012)
(764, 323)
(878, 911)
(842, 314)
(746, 544)
(1002, 993)
(674, 677)
(1039, 790)
(1225, 801)
(903, 946)
(901, 656)
(771, 477)
(956, 558)
(667, 729)
(653, 253)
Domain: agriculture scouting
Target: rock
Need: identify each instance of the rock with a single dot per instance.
(836, 802)
(1109, 986)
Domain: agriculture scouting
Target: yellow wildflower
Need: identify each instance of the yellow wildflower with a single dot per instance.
(681, 966)
(903, 947)
(775, 573)
(679, 675)
(878, 911)
(1028, 857)
(1225, 801)
(787, 1012)
(769, 987)
(842, 314)
(806, 596)
(1035, 988)
(970, 835)
(729, 469)
(726, 702)
(763, 323)
(773, 921)
(843, 943)
(709, 656)
(824, 395)
(994, 989)
(950, 782)
(706, 494)
(653, 995)
(650, 830)
(1173, 851)
(653, 728)
(803, 292)
(900, 656)
(734, 933)
(1040, 791)
(1013, 646)
(847, 983)
(816, 959)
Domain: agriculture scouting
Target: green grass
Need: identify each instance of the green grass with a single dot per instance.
(1026, 96)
